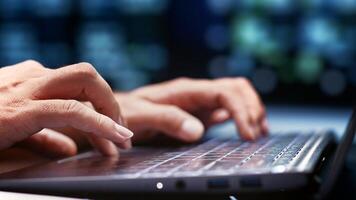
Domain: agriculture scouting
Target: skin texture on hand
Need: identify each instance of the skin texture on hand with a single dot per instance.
(183, 108)
(36, 101)
(208, 102)
(146, 119)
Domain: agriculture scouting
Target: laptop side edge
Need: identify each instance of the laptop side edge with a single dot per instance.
(339, 158)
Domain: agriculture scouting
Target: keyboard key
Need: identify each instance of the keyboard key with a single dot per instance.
(195, 165)
(219, 157)
(221, 167)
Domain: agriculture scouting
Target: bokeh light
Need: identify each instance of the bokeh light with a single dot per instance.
(308, 67)
(265, 80)
(308, 46)
(333, 82)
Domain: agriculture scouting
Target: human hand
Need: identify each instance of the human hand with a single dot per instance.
(198, 102)
(35, 100)
(181, 108)
(146, 119)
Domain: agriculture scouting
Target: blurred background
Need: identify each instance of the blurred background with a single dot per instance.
(301, 52)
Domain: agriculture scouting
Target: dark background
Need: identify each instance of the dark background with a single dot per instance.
(300, 52)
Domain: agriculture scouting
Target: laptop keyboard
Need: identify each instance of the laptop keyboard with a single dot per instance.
(217, 157)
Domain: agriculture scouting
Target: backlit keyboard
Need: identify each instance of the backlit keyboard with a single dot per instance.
(221, 157)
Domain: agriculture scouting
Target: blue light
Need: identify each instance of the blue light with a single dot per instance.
(250, 32)
(318, 33)
(315, 4)
(142, 6)
(97, 8)
(18, 43)
(101, 45)
(220, 7)
(352, 75)
(265, 80)
(13, 8)
(129, 78)
(343, 6)
(98, 37)
(217, 37)
(50, 8)
(150, 57)
(55, 54)
(339, 54)
(218, 67)
(333, 82)
(240, 64)
(279, 6)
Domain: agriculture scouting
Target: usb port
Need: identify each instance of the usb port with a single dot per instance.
(218, 184)
(251, 182)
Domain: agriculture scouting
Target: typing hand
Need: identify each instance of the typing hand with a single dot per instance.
(182, 106)
(35, 100)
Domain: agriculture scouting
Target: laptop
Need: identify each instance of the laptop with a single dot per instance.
(298, 163)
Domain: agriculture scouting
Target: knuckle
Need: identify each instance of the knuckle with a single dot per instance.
(225, 80)
(234, 83)
(72, 107)
(225, 94)
(33, 63)
(243, 81)
(183, 80)
(86, 70)
(100, 120)
(46, 108)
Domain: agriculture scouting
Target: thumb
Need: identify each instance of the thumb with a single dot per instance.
(51, 143)
(174, 122)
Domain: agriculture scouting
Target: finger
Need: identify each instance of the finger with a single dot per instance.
(219, 116)
(235, 104)
(82, 140)
(265, 127)
(126, 145)
(104, 146)
(51, 143)
(211, 117)
(254, 106)
(63, 113)
(174, 122)
(80, 82)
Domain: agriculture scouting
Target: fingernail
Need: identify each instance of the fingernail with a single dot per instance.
(124, 132)
(192, 127)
